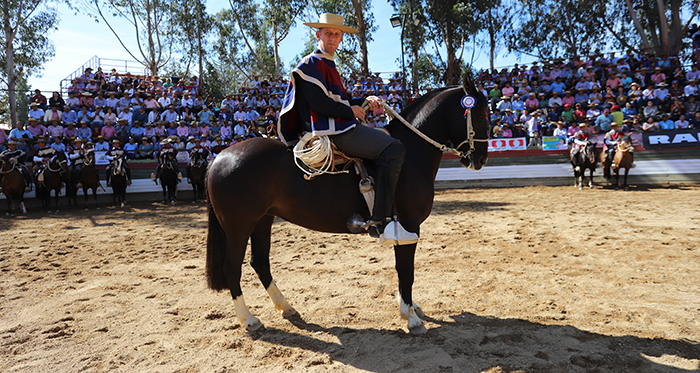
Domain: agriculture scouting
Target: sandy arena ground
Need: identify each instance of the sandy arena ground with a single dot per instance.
(537, 279)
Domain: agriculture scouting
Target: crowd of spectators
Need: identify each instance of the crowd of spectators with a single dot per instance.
(638, 91)
(141, 111)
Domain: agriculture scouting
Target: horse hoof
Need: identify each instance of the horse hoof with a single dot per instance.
(194, 201)
(580, 188)
(289, 313)
(626, 189)
(123, 204)
(48, 212)
(7, 214)
(172, 203)
(418, 330)
(418, 310)
(97, 208)
(257, 325)
(86, 209)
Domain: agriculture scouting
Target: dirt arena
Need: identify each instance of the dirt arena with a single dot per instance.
(536, 279)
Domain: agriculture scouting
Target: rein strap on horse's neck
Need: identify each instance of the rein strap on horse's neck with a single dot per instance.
(442, 147)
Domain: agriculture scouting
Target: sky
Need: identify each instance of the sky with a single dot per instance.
(79, 38)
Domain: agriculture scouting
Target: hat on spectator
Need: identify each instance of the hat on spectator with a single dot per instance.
(615, 107)
(100, 137)
(614, 124)
(164, 142)
(34, 104)
(582, 124)
(594, 104)
(505, 97)
(190, 138)
(332, 21)
(197, 139)
(115, 141)
(32, 119)
(86, 93)
(41, 139)
(662, 84)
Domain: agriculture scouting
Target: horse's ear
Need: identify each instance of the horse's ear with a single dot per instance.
(468, 85)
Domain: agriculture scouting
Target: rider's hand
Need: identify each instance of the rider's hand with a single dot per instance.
(373, 102)
(359, 112)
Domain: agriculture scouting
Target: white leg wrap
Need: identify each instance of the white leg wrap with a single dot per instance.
(244, 316)
(415, 324)
(281, 304)
(24, 209)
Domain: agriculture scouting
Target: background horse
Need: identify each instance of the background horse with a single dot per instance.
(252, 182)
(587, 161)
(118, 181)
(13, 185)
(52, 179)
(89, 178)
(168, 181)
(623, 159)
(196, 174)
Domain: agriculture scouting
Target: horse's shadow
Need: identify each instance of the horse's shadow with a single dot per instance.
(449, 207)
(473, 343)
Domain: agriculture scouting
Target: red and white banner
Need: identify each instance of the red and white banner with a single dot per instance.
(499, 145)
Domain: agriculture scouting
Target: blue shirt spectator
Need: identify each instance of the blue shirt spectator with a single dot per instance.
(666, 124)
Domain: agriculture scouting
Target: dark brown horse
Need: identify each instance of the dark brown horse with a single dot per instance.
(13, 185)
(588, 157)
(168, 180)
(623, 159)
(51, 179)
(196, 171)
(118, 179)
(89, 178)
(254, 181)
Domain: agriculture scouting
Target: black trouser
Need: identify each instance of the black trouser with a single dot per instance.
(388, 152)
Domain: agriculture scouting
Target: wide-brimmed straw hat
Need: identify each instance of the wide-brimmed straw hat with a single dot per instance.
(333, 21)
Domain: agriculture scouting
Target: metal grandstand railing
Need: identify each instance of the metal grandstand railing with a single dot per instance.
(107, 64)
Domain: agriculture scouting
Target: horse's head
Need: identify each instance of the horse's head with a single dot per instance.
(590, 151)
(61, 161)
(471, 133)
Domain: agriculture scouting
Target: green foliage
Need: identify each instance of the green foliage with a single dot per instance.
(555, 28)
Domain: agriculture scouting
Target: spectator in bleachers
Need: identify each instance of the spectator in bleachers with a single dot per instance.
(39, 99)
(650, 125)
(36, 112)
(57, 100)
(145, 149)
(58, 144)
(53, 113)
(83, 115)
(682, 123)
(101, 144)
(35, 128)
(84, 131)
(54, 129)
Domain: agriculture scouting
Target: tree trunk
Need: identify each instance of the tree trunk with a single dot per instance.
(676, 27)
(453, 69)
(275, 48)
(663, 28)
(652, 22)
(200, 52)
(638, 25)
(357, 4)
(492, 40)
(10, 65)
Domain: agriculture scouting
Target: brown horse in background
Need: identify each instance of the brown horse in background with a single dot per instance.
(89, 178)
(13, 185)
(623, 159)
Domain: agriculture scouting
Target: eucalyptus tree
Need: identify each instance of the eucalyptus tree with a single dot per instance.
(25, 44)
(152, 22)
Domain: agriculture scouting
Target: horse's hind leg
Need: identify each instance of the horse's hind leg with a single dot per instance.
(260, 261)
(235, 254)
(590, 180)
(405, 269)
(94, 196)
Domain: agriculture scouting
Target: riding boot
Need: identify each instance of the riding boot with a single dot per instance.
(27, 179)
(128, 175)
(389, 168)
(155, 175)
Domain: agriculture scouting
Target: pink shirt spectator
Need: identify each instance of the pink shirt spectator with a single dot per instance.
(36, 131)
(226, 131)
(54, 131)
(183, 131)
(508, 91)
(571, 100)
(108, 131)
(532, 102)
(658, 78)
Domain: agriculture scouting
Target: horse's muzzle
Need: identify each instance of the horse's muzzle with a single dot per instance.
(473, 162)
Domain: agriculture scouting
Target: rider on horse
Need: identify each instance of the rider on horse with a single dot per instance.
(199, 149)
(316, 101)
(77, 155)
(12, 155)
(581, 138)
(612, 138)
(117, 152)
(42, 156)
(169, 152)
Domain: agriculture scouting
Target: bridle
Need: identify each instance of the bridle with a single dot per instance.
(60, 168)
(13, 165)
(442, 147)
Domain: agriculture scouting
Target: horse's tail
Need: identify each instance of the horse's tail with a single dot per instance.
(216, 252)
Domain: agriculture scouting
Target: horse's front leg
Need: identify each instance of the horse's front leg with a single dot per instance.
(85, 196)
(405, 255)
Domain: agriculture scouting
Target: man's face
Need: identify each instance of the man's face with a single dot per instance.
(329, 39)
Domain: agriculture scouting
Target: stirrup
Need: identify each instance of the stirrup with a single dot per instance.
(179, 176)
(577, 169)
(396, 234)
(633, 165)
(153, 176)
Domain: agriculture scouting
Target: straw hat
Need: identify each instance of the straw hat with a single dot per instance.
(333, 21)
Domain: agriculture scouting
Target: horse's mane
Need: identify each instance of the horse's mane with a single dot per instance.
(419, 103)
